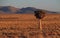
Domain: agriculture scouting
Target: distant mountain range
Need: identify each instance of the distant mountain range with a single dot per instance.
(13, 10)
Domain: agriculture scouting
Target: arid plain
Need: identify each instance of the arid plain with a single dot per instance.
(27, 26)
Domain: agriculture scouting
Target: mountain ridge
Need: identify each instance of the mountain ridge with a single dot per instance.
(14, 10)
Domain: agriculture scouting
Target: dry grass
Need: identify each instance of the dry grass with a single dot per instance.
(13, 25)
(51, 26)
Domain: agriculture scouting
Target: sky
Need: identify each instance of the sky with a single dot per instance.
(52, 5)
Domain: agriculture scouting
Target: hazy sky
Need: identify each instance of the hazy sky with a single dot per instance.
(53, 5)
